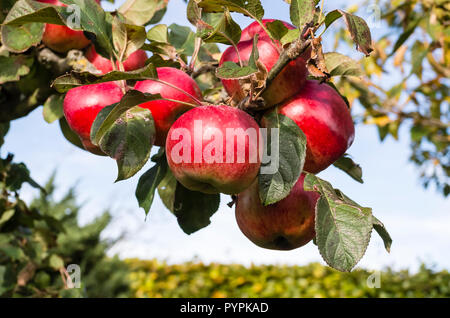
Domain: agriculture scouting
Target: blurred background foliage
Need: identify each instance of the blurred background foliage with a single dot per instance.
(157, 279)
(407, 80)
(38, 241)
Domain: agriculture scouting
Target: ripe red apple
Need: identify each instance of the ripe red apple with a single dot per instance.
(288, 82)
(166, 112)
(255, 28)
(284, 225)
(214, 149)
(324, 117)
(133, 62)
(61, 38)
(82, 104)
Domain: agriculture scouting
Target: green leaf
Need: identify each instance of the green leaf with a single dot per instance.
(418, 132)
(4, 128)
(158, 61)
(13, 67)
(127, 38)
(6, 216)
(381, 230)
(231, 70)
(405, 35)
(5, 6)
(74, 79)
(159, 33)
(126, 132)
(358, 28)
(193, 12)
(149, 181)
(18, 174)
(53, 108)
(108, 117)
(418, 53)
(360, 32)
(142, 12)
(251, 8)
(290, 36)
(13, 252)
(289, 152)
(182, 38)
(166, 190)
(219, 28)
(170, 41)
(27, 11)
(254, 56)
(18, 39)
(331, 17)
(55, 261)
(341, 65)
(194, 209)
(277, 29)
(302, 12)
(69, 134)
(343, 227)
(92, 19)
(351, 168)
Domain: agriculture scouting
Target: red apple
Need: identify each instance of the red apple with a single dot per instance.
(133, 62)
(61, 38)
(214, 149)
(288, 82)
(82, 104)
(284, 225)
(324, 117)
(255, 28)
(166, 112)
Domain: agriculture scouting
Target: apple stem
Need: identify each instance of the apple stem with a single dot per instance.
(321, 11)
(178, 101)
(198, 43)
(199, 103)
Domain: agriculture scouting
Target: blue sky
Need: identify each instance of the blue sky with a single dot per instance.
(417, 219)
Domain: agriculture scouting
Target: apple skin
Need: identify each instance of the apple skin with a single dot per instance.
(166, 112)
(324, 117)
(82, 104)
(61, 38)
(285, 225)
(207, 177)
(133, 62)
(255, 28)
(288, 82)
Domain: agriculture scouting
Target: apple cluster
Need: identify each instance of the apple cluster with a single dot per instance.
(317, 109)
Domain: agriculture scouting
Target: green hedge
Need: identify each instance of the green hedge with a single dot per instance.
(157, 279)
